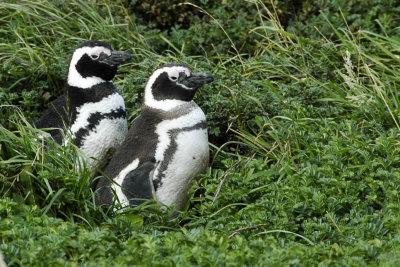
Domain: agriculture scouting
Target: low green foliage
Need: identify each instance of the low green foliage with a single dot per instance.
(303, 123)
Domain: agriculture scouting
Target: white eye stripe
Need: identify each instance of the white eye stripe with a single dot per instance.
(173, 73)
(95, 52)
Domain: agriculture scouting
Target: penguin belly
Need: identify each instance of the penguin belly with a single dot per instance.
(108, 133)
(189, 159)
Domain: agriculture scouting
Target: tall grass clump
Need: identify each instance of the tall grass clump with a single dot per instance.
(37, 171)
(370, 79)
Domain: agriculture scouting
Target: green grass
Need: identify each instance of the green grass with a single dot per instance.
(304, 132)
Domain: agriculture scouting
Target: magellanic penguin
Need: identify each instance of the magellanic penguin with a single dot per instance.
(167, 145)
(91, 108)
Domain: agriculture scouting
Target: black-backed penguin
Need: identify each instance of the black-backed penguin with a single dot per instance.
(91, 108)
(167, 145)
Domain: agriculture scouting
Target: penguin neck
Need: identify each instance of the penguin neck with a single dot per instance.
(162, 105)
(173, 112)
(75, 79)
(78, 95)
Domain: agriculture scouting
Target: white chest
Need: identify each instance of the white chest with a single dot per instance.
(187, 162)
(104, 106)
(109, 133)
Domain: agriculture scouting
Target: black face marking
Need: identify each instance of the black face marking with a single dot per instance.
(94, 120)
(87, 67)
(163, 88)
(178, 86)
(169, 152)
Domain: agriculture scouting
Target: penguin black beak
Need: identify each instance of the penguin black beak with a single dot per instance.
(116, 58)
(197, 79)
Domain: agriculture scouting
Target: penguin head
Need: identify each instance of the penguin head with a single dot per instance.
(94, 62)
(172, 85)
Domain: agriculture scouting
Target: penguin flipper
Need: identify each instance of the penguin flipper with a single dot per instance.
(138, 184)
